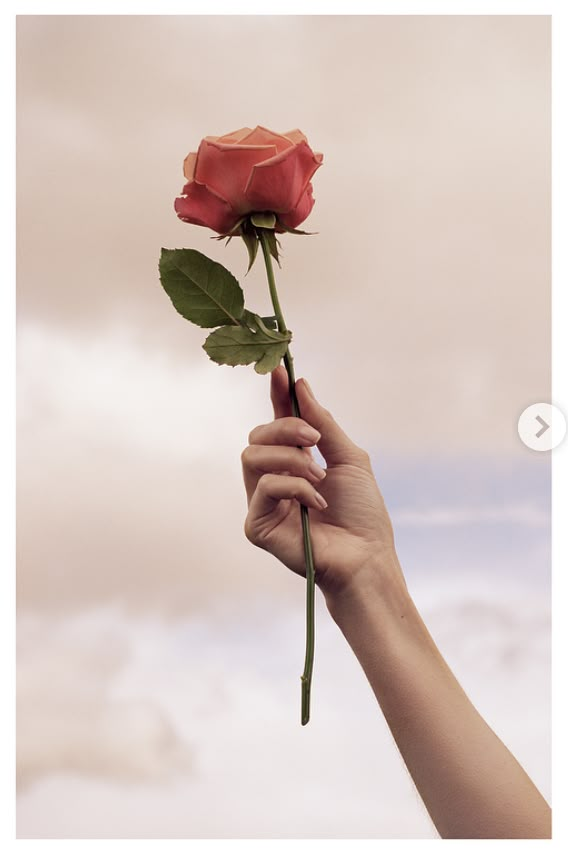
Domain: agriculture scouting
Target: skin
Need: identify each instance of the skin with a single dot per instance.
(470, 783)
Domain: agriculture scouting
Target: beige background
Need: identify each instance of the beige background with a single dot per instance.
(159, 653)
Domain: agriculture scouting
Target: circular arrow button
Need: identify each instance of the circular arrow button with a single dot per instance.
(542, 427)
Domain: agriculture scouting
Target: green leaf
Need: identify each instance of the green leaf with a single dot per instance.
(260, 326)
(204, 292)
(270, 322)
(251, 241)
(251, 320)
(273, 244)
(248, 320)
(239, 346)
(295, 230)
(235, 229)
(266, 324)
(265, 220)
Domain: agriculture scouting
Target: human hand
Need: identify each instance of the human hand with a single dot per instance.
(352, 538)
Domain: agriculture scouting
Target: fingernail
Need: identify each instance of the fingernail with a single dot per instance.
(309, 389)
(320, 500)
(317, 470)
(306, 432)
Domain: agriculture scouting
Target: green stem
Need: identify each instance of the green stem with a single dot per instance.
(308, 555)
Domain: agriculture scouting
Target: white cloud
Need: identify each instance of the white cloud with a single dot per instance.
(512, 514)
(128, 465)
(413, 323)
(67, 717)
(112, 390)
(228, 682)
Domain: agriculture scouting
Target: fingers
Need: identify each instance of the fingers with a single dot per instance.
(258, 460)
(271, 489)
(286, 431)
(274, 448)
(335, 446)
(279, 392)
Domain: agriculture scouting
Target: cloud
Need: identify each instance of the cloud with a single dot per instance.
(129, 465)
(415, 308)
(525, 515)
(228, 683)
(418, 321)
(111, 389)
(67, 717)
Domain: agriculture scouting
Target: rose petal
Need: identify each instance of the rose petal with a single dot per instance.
(263, 136)
(296, 136)
(278, 185)
(189, 166)
(226, 169)
(301, 211)
(199, 204)
(234, 137)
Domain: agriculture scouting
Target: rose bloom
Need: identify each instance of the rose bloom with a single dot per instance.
(248, 171)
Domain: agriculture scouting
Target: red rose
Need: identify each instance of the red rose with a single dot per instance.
(248, 171)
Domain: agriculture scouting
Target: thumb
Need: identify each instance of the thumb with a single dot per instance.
(335, 446)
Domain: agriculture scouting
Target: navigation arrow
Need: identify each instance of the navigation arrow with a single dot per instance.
(541, 426)
(545, 426)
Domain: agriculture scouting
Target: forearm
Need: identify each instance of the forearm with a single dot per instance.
(470, 783)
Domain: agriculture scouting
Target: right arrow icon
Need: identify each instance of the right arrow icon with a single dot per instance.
(545, 426)
(541, 426)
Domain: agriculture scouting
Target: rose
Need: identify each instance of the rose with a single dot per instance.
(245, 172)
(252, 184)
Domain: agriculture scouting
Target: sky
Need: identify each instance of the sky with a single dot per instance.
(159, 653)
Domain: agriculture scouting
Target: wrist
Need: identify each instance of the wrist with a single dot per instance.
(381, 623)
(376, 609)
(380, 584)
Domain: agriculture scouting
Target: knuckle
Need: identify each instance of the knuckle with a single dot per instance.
(364, 456)
(252, 437)
(248, 455)
(305, 460)
(264, 483)
(249, 533)
(300, 486)
(293, 425)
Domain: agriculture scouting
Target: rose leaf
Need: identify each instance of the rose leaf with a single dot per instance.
(273, 244)
(201, 290)
(252, 320)
(239, 346)
(251, 242)
(270, 322)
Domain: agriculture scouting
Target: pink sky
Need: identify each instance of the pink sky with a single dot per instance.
(421, 315)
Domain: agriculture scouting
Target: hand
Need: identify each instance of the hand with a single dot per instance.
(352, 538)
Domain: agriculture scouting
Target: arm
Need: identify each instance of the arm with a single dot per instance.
(471, 784)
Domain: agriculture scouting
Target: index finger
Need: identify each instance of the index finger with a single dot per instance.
(279, 393)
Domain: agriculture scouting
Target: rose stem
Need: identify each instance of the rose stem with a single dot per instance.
(308, 555)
